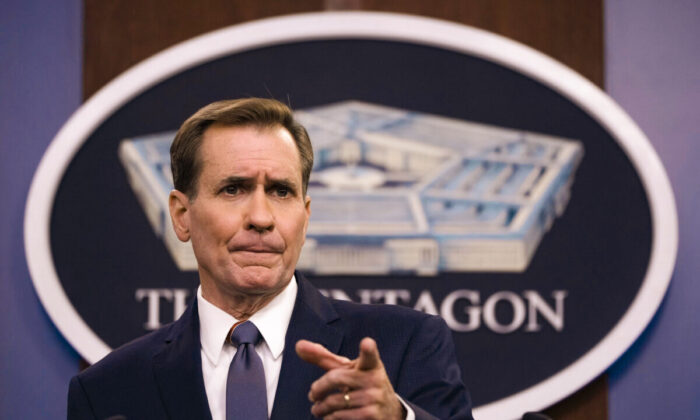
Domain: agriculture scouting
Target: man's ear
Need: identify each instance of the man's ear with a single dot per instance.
(179, 205)
(307, 208)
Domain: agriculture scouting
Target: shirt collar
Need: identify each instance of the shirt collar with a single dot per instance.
(272, 322)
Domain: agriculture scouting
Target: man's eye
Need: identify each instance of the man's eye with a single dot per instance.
(282, 191)
(231, 189)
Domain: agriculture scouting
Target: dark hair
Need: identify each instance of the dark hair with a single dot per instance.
(257, 112)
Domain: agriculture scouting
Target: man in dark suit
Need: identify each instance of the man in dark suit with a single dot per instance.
(241, 170)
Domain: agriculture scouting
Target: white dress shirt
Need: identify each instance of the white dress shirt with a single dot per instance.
(214, 325)
(272, 321)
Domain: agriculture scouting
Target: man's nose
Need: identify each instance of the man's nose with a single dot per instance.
(260, 216)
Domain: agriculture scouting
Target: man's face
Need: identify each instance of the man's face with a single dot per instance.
(248, 219)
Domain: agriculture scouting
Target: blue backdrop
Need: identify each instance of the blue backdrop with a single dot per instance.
(651, 70)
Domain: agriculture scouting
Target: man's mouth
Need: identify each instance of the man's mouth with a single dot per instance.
(261, 250)
(256, 256)
(257, 249)
(256, 245)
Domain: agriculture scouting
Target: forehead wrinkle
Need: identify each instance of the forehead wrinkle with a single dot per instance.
(251, 164)
(252, 167)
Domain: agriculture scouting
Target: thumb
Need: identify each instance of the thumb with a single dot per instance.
(320, 356)
(369, 355)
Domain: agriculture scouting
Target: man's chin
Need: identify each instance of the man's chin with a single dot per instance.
(256, 279)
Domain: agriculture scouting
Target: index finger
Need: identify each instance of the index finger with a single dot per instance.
(369, 355)
(320, 356)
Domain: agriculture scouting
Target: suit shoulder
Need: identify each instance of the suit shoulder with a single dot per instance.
(135, 355)
(123, 382)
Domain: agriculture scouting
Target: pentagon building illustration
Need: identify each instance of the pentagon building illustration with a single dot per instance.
(395, 191)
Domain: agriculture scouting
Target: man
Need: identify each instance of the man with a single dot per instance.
(241, 170)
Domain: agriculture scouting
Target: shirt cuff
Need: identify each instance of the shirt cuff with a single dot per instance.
(410, 415)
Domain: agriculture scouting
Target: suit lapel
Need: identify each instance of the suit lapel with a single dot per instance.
(178, 370)
(310, 320)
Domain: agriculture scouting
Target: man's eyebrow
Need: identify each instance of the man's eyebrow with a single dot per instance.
(285, 182)
(241, 181)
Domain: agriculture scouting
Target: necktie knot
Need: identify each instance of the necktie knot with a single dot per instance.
(245, 333)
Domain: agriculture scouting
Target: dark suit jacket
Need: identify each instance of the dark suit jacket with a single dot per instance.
(159, 376)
